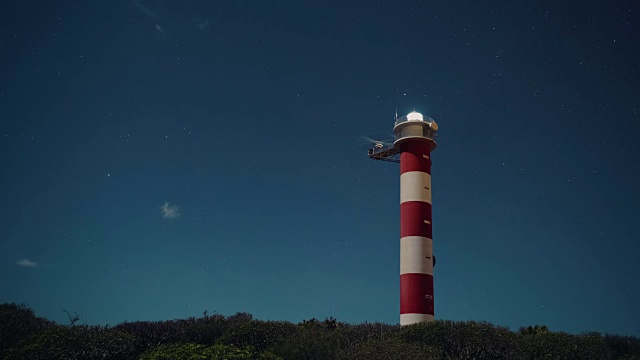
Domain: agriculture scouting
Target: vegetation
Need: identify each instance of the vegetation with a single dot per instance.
(26, 336)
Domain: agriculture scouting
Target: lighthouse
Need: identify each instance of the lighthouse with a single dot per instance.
(414, 141)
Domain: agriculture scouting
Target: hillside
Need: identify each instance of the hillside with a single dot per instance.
(23, 335)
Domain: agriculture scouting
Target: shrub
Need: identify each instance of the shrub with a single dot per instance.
(563, 346)
(19, 323)
(533, 330)
(25, 336)
(239, 317)
(191, 351)
(620, 346)
(463, 340)
(205, 331)
(309, 344)
(257, 334)
(392, 348)
(356, 334)
(76, 342)
(591, 346)
(150, 334)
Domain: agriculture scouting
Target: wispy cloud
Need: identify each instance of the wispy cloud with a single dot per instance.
(159, 29)
(145, 10)
(27, 263)
(169, 211)
(202, 24)
(152, 14)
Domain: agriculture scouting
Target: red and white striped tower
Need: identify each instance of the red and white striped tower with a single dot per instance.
(415, 139)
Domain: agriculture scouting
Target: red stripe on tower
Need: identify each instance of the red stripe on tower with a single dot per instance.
(412, 219)
(413, 287)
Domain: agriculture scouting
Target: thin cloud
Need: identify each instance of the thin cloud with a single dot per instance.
(145, 10)
(169, 211)
(27, 263)
(202, 24)
(150, 14)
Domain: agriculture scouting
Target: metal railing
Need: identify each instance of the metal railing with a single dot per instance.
(423, 131)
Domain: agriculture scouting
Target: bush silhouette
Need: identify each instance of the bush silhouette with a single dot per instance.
(18, 324)
(239, 336)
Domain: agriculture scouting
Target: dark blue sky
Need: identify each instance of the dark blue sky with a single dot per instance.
(160, 158)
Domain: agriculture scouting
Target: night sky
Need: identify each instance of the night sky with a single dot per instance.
(162, 158)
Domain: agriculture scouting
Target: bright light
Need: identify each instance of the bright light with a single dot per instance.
(414, 116)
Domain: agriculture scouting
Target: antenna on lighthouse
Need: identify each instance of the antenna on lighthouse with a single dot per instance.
(414, 140)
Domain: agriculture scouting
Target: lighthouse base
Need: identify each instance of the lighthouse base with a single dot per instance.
(408, 319)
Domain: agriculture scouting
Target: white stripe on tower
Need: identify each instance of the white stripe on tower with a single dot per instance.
(413, 252)
(415, 186)
(416, 245)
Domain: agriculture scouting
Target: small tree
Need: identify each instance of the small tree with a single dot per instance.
(534, 330)
(74, 318)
